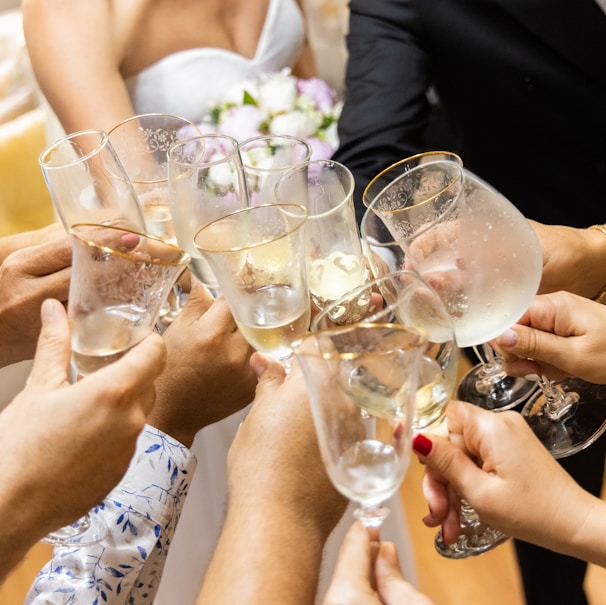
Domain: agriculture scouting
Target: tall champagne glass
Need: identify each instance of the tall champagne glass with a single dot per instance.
(206, 182)
(118, 284)
(403, 297)
(87, 182)
(335, 259)
(255, 254)
(352, 368)
(476, 250)
(142, 144)
(266, 158)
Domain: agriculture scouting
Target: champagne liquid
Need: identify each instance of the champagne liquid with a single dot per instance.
(369, 472)
(330, 279)
(102, 337)
(159, 220)
(273, 318)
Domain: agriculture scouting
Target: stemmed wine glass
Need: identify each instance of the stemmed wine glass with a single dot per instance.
(403, 297)
(142, 143)
(475, 249)
(335, 259)
(255, 254)
(486, 384)
(206, 181)
(119, 281)
(352, 368)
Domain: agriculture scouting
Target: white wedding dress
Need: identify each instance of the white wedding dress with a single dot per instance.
(186, 84)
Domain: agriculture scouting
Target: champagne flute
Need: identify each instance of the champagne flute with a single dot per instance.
(87, 182)
(142, 143)
(119, 281)
(206, 182)
(479, 254)
(352, 368)
(265, 158)
(335, 259)
(255, 254)
(406, 299)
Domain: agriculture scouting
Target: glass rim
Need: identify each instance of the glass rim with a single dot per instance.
(459, 164)
(183, 260)
(199, 164)
(266, 137)
(361, 325)
(44, 156)
(302, 218)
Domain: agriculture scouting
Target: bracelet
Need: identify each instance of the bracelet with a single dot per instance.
(601, 297)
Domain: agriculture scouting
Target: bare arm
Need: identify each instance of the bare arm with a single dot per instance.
(76, 49)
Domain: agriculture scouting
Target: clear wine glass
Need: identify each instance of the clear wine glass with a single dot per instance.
(352, 368)
(567, 416)
(142, 143)
(479, 254)
(87, 182)
(335, 259)
(119, 281)
(265, 159)
(255, 254)
(403, 297)
(206, 182)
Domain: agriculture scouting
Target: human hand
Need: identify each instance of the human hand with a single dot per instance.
(275, 456)
(27, 277)
(207, 375)
(559, 335)
(368, 573)
(516, 487)
(64, 447)
(24, 239)
(572, 259)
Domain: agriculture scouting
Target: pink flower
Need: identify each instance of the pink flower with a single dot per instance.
(241, 122)
(320, 150)
(318, 91)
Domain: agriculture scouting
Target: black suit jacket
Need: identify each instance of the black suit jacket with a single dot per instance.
(523, 83)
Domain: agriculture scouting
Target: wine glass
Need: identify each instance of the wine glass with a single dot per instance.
(486, 384)
(403, 297)
(352, 368)
(206, 182)
(142, 143)
(255, 254)
(479, 254)
(567, 416)
(87, 182)
(335, 259)
(119, 281)
(265, 158)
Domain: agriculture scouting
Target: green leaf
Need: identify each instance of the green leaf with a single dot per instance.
(248, 99)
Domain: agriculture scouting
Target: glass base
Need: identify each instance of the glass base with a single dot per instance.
(498, 394)
(85, 531)
(470, 544)
(567, 433)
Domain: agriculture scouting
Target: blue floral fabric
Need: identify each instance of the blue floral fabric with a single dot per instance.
(142, 514)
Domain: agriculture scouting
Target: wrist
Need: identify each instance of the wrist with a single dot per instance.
(597, 235)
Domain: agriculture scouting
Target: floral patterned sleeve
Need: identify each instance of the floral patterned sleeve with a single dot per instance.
(142, 514)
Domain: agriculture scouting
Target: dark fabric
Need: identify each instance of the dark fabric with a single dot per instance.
(522, 89)
(522, 83)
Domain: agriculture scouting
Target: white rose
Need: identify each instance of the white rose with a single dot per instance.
(296, 124)
(331, 136)
(220, 174)
(278, 93)
(235, 94)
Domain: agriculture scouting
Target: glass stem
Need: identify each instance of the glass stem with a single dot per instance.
(558, 403)
(492, 368)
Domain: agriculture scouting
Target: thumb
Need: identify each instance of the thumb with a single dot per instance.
(269, 371)
(53, 352)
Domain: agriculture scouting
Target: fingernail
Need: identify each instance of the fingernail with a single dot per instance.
(508, 338)
(532, 377)
(49, 311)
(421, 445)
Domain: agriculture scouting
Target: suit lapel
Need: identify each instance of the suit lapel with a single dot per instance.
(574, 28)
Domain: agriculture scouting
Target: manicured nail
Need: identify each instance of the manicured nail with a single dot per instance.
(508, 339)
(422, 445)
(50, 310)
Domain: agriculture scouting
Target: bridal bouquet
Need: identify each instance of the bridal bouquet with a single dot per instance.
(280, 104)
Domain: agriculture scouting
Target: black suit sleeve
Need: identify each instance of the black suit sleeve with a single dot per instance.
(388, 74)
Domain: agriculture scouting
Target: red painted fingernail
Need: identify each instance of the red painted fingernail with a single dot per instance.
(422, 445)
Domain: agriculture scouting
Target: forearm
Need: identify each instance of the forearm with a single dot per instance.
(272, 553)
(141, 514)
